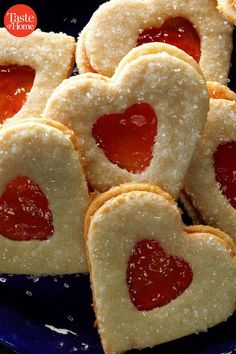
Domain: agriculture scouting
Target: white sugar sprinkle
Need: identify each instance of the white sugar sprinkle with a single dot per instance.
(60, 330)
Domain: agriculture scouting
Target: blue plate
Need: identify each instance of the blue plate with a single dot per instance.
(47, 315)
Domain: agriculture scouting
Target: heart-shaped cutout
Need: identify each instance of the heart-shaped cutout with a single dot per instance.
(24, 211)
(225, 170)
(147, 291)
(176, 31)
(127, 138)
(15, 83)
(155, 278)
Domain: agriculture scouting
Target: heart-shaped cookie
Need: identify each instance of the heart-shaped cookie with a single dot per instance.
(30, 69)
(140, 126)
(210, 184)
(194, 26)
(153, 278)
(43, 199)
(228, 9)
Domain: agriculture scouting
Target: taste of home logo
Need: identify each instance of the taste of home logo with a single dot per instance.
(20, 20)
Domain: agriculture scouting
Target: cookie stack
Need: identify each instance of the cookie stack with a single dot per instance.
(92, 165)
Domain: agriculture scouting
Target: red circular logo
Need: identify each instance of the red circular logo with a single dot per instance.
(20, 20)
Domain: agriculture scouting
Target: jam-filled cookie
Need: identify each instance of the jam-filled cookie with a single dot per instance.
(228, 9)
(43, 199)
(30, 69)
(141, 125)
(210, 184)
(194, 26)
(153, 278)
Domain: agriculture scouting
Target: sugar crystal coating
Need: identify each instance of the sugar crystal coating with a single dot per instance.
(47, 156)
(115, 228)
(51, 55)
(103, 44)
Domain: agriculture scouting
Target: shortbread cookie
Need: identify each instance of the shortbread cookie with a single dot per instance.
(30, 69)
(141, 125)
(194, 26)
(154, 279)
(210, 186)
(228, 9)
(43, 201)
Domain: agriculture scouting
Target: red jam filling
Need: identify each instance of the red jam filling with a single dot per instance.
(24, 212)
(176, 31)
(15, 83)
(225, 170)
(155, 278)
(127, 138)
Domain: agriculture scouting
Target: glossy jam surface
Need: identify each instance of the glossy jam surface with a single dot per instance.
(225, 170)
(127, 138)
(176, 31)
(155, 278)
(15, 83)
(24, 211)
